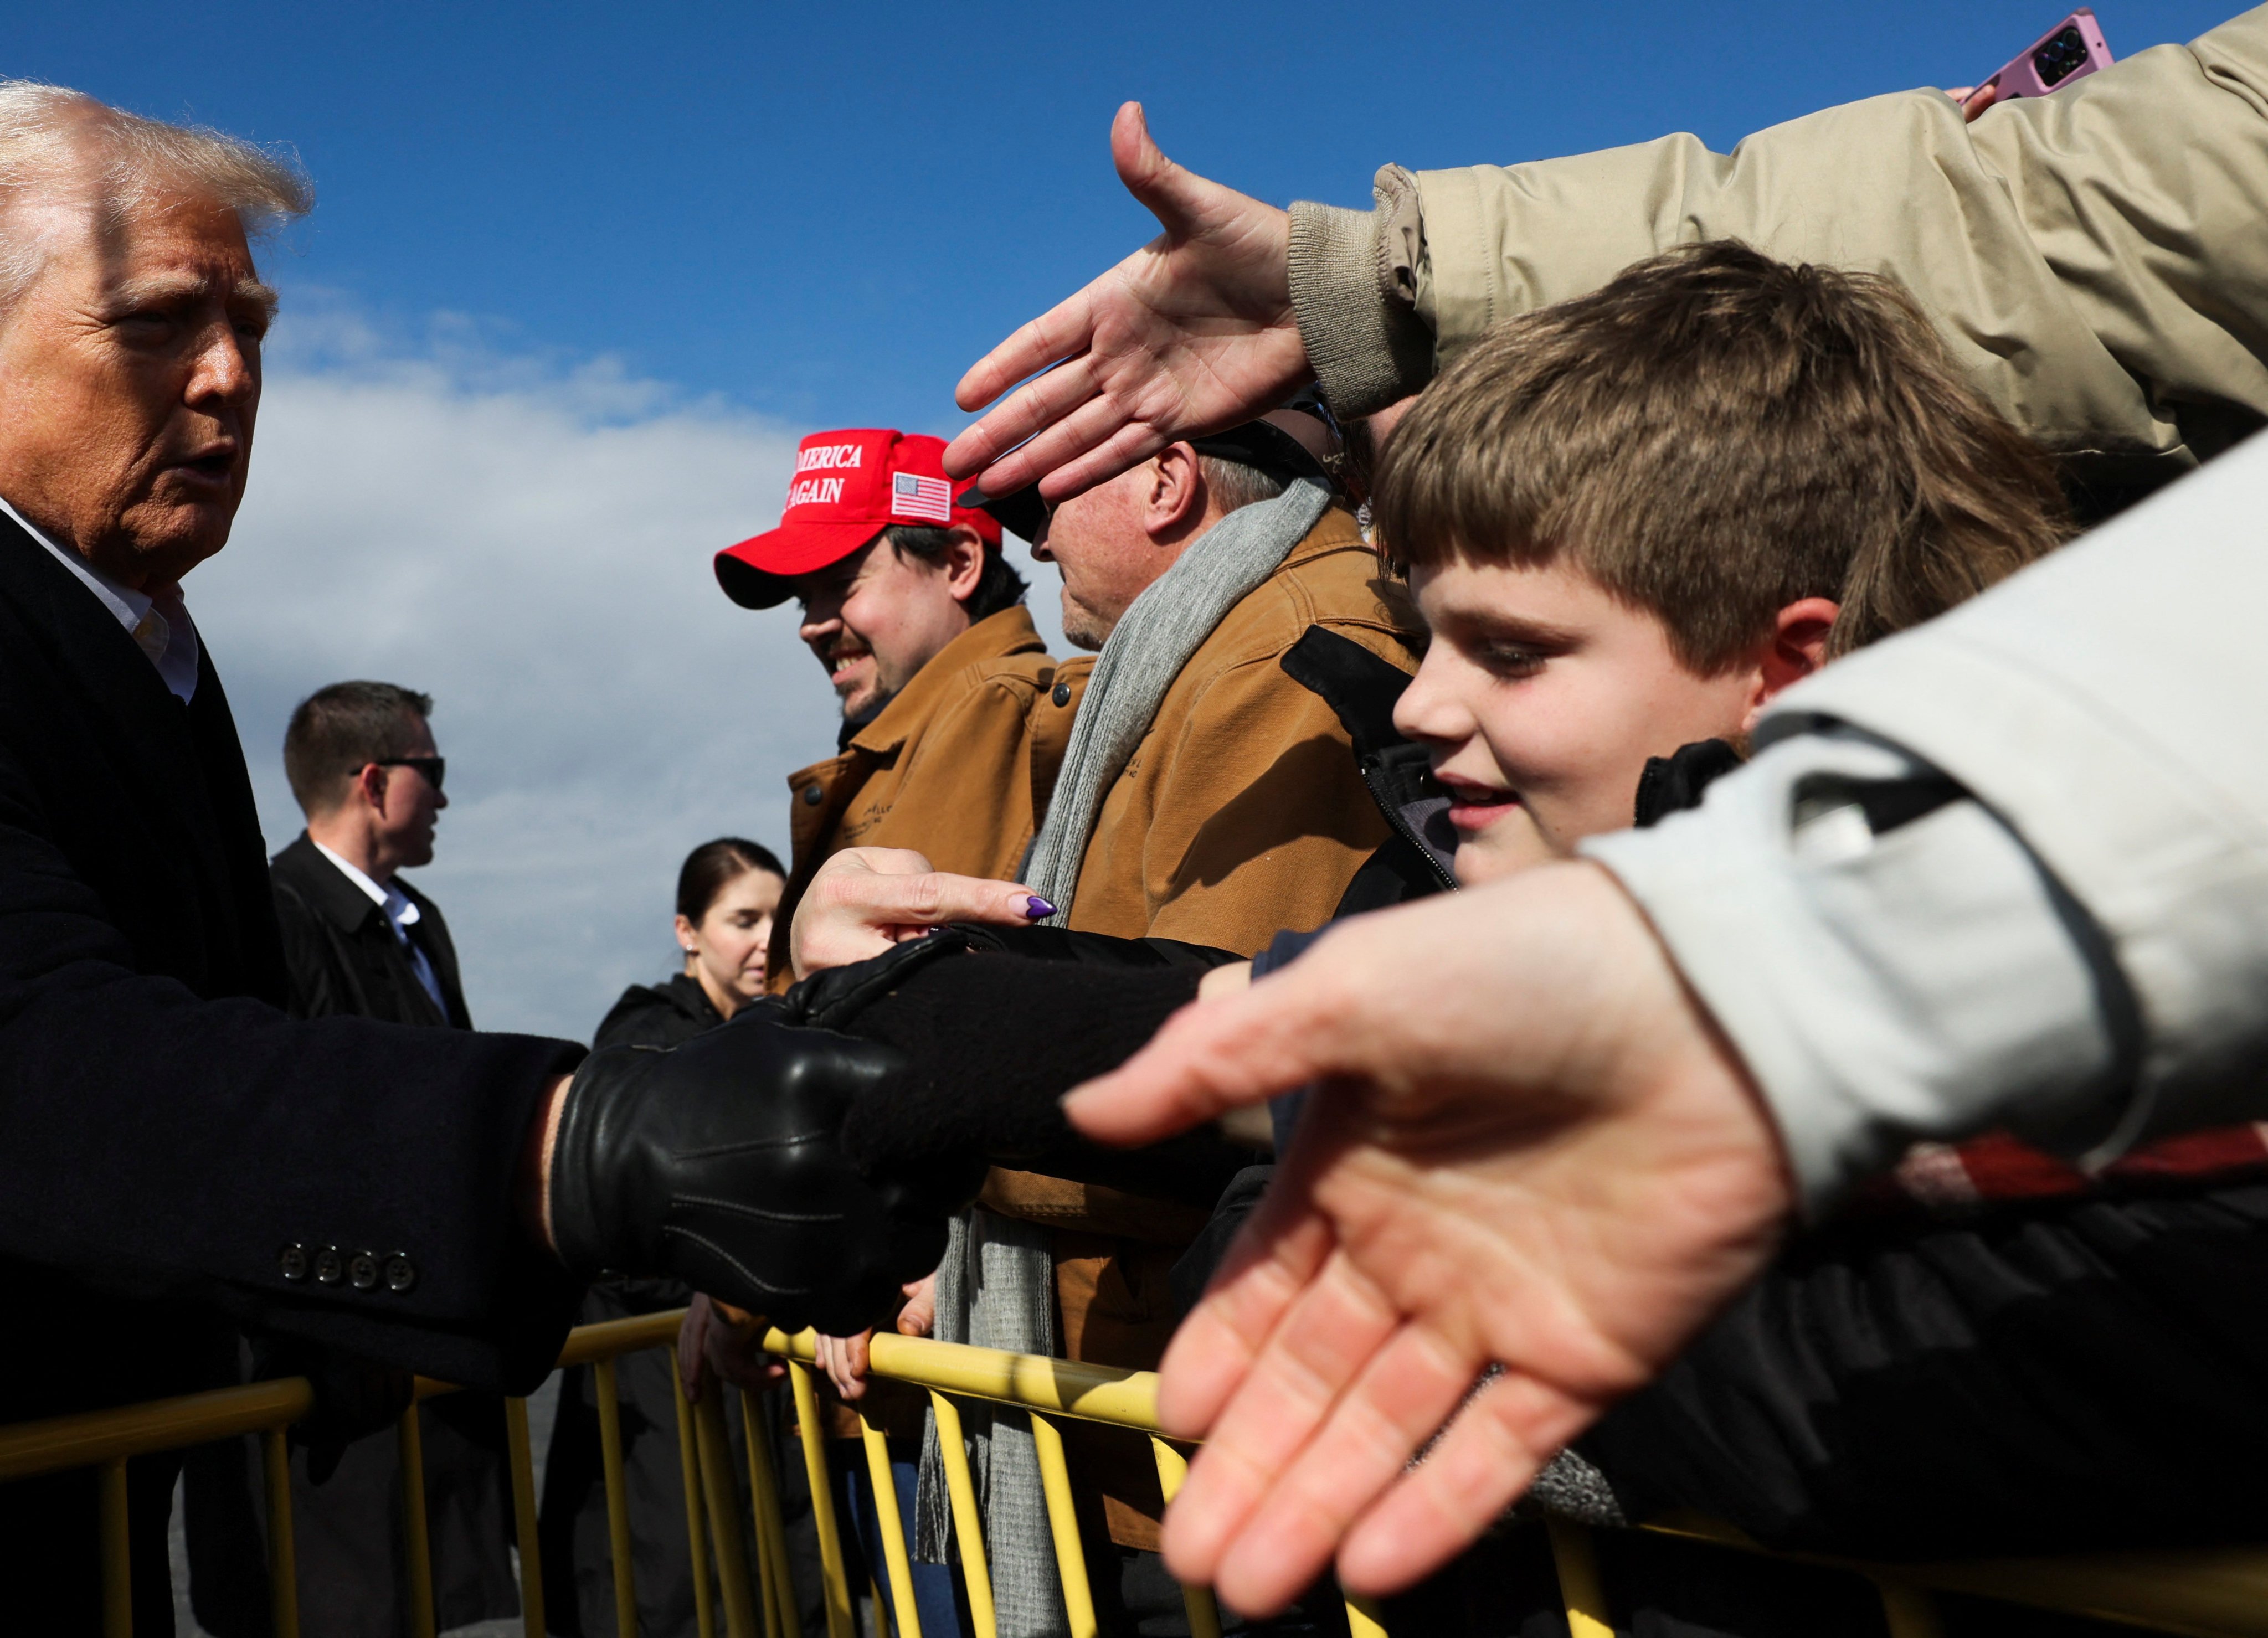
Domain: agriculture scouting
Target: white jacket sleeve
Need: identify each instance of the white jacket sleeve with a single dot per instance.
(2074, 943)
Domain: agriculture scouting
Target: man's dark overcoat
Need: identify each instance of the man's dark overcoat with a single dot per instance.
(341, 957)
(167, 1135)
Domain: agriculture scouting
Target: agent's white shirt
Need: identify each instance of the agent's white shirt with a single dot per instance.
(401, 916)
(158, 622)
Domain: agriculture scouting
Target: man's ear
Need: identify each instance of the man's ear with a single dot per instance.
(964, 561)
(371, 783)
(1794, 648)
(1175, 493)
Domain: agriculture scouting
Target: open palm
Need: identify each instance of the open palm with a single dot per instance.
(1530, 1152)
(1192, 333)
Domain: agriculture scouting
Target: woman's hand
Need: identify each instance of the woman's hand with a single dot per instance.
(865, 899)
(847, 1361)
(715, 1338)
(918, 1317)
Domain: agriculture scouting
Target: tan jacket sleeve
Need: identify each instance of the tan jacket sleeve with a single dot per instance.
(1233, 867)
(2098, 258)
(965, 798)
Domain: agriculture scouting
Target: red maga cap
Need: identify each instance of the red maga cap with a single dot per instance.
(848, 488)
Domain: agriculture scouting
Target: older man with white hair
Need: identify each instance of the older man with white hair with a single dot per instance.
(175, 1152)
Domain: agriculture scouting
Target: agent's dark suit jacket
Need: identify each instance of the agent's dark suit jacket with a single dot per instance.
(166, 1133)
(340, 955)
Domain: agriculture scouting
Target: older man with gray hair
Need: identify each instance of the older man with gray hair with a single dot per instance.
(177, 1154)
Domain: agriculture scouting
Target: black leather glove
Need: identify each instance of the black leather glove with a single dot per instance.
(997, 1023)
(716, 1163)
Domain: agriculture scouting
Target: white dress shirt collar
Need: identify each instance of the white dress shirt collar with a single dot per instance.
(158, 622)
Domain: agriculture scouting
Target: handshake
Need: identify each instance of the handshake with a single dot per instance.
(779, 1165)
(719, 1163)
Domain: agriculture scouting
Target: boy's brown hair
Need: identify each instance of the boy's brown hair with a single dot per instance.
(1715, 434)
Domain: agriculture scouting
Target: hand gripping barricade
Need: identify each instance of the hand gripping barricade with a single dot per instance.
(2207, 1593)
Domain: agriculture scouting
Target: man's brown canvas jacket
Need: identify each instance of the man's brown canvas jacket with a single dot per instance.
(958, 766)
(1240, 814)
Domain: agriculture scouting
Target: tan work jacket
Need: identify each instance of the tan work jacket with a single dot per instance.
(959, 766)
(2097, 259)
(1240, 814)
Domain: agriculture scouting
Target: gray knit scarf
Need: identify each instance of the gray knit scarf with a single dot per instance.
(1145, 651)
(996, 1287)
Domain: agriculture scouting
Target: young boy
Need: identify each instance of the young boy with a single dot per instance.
(1631, 519)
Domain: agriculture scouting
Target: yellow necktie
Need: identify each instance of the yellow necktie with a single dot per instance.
(153, 635)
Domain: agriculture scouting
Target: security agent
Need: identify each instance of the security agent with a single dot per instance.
(178, 1152)
(357, 937)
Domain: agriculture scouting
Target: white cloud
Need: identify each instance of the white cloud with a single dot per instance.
(531, 545)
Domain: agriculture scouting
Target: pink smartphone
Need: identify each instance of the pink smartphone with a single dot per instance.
(2073, 49)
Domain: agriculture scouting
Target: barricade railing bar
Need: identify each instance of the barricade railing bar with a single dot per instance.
(2206, 1593)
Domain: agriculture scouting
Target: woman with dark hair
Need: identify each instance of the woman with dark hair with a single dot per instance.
(727, 892)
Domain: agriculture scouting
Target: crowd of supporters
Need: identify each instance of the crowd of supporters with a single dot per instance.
(1820, 1095)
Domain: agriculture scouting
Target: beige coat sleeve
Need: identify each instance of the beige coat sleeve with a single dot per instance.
(2098, 258)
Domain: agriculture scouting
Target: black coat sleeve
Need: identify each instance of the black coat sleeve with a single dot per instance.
(160, 1145)
(310, 972)
(999, 1027)
(2051, 1377)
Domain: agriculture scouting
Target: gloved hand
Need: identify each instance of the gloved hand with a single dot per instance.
(717, 1162)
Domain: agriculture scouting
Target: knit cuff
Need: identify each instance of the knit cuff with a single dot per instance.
(1353, 277)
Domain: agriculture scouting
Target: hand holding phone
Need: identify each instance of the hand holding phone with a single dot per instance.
(2070, 51)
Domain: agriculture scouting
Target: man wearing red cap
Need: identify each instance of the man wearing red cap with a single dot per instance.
(955, 717)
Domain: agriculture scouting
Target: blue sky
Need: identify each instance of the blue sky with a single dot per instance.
(825, 212)
(579, 275)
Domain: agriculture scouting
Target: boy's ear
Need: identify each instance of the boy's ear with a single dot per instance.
(1795, 648)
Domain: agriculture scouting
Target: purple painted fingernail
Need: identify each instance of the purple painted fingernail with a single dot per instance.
(1038, 908)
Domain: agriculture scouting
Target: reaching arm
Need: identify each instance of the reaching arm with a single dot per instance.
(1532, 1149)
(865, 900)
(2095, 259)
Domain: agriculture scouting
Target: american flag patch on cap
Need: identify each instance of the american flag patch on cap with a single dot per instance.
(913, 495)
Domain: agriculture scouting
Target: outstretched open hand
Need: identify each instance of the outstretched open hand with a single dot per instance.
(1530, 1149)
(1192, 333)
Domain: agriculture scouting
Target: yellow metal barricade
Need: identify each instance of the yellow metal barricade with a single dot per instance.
(2219, 1593)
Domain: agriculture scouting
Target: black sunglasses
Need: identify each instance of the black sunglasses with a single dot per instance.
(432, 767)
